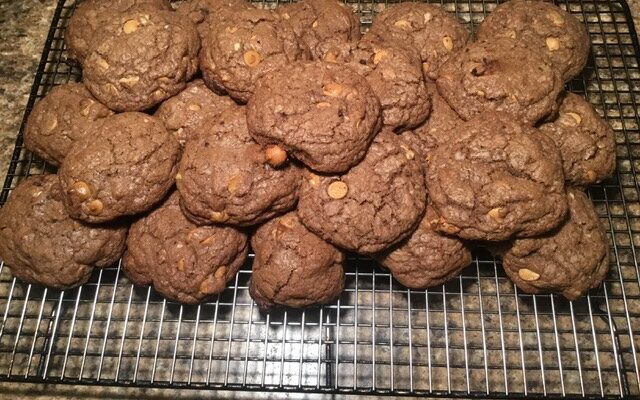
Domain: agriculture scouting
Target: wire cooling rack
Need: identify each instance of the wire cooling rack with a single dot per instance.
(475, 336)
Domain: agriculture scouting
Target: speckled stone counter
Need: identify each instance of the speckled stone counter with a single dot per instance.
(23, 28)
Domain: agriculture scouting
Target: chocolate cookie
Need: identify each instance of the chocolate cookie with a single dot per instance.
(500, 74)
(240, 50)
(501, 179)
(66, 114)
(235, 181)
(323, 114)
(587, 143)
(183, 261)
(542, 26)
(193, 111)
(209, 13)
(434, 32)
(321, 24)
(569, 260)
(91, 22)
(427, 258)
(394, 73)
(376, 204)
(440, 126)
(150, 57)
(41, 244)
(124, 171)
(293, 267)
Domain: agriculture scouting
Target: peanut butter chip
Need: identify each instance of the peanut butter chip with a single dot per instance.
(330, 57)
(178, 176)
(102, 63)
(576, 117)
(527, 275)
(209, 240)
(288, 222)
(286, 16)
(231, 29)
(337, 190)
(591, 175)
(252, 58)
(425, 67)
(496, 214)
(275, 155)
(427, 17)
(447, 43)
(511, 33)
(404, 24)
(313, 179)
(480, 93)
(219, 216)
(556, 19)
(52, 124)
(233, 183)
(323, 104)
(80, 190)
(553, 44)
(130, 26)
(332, 89)
(379, 56)
(86, 105)
(315, 24)
(95, 207)
(194, 107)
(408, 153)
(130, 80)
(221, 272)
(181, 265)
(36, 193)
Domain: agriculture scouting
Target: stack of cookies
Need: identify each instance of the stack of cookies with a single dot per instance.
(218, 126)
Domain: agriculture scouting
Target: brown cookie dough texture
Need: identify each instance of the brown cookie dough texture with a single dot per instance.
(91, 21)
(540, 25)
(41, 244)
(65, 115)
(193, 111)
(293, 267)
(376, 204)
(434, 32)
(165, 48)
(323, 114)
(570, 260)
(440, 127)
(587, 143)
(394, 73)
(499, 180)
(228, 180)
(321, 24)
(252, 44)
(183, 261)
(124, 171)
(209, 13)
(500, 74)
(427, 258)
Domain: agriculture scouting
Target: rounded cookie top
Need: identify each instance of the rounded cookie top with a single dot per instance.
(542, 26)
(90, 23)
(124, 171)
(374, 205)
(321, 24)
(440, 126)
(41, 244)
(209, 13)
(587, 143)
(394, 73)
(239, 182)
(569, 260)
(323, 114)
(252, 44)
(193, 111)
(500, 74)
(498, 180)
(150, 57)
(293, 267)
(427, 258)
(433, 31)
(183, 261)
(66, 114)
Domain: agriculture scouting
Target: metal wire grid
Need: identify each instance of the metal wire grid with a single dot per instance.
(473, 336)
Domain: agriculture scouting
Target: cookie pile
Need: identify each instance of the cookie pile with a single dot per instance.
(303, 138)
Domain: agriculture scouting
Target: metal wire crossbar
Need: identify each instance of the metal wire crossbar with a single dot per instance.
(475, 336)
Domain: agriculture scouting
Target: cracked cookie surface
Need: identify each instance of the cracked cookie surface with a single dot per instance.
(587, 143)
(41, 244)
(124, 171)
(293, 267)
(325, 115)
(374, 205)
(498, 180)
(542, 26)
(65, 115)
(569, 260)
(500, 74)
(182, 261)
(165, 48)
(439, 128)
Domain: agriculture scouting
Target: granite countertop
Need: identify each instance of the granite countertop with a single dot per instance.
(23, 28)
